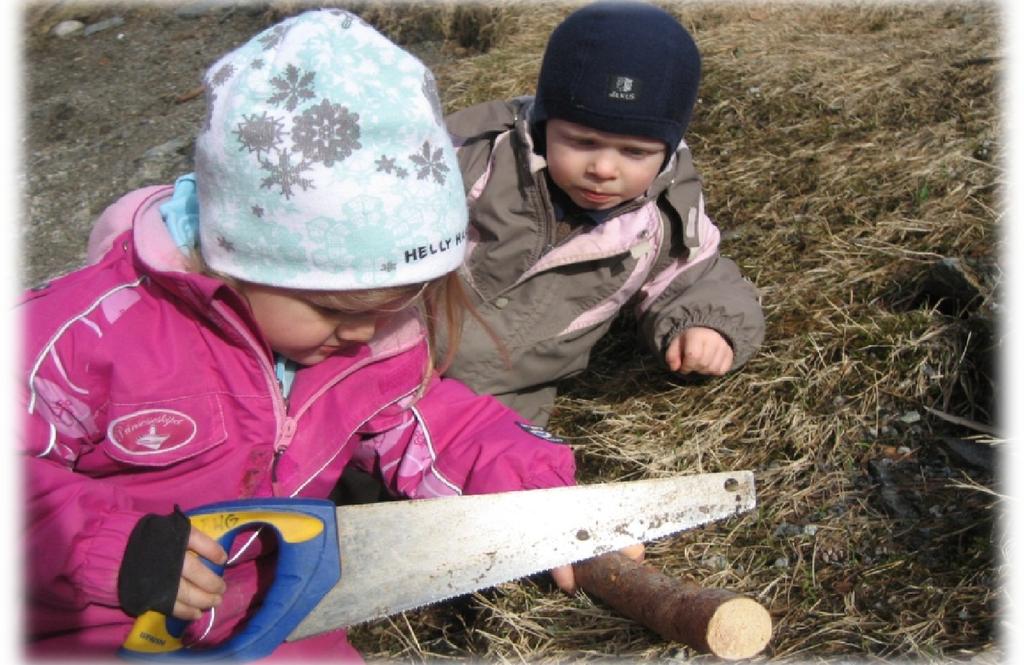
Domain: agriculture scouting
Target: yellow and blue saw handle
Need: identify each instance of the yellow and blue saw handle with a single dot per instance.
(308, 566)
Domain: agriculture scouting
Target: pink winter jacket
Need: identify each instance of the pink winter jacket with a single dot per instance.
(146, 386)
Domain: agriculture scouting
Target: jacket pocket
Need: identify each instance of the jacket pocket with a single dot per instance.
(165, 432)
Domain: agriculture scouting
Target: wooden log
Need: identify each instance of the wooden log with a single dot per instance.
(715, 621)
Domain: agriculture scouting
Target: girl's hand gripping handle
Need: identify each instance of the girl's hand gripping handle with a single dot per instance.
(308, 566)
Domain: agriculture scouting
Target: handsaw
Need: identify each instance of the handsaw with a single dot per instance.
(339, 566)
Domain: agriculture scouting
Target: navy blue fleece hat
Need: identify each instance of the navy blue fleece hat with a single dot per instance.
(621, 67)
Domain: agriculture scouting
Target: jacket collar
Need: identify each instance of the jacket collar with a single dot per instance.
(163, 261)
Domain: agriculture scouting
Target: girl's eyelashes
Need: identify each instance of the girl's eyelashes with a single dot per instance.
(327, 311)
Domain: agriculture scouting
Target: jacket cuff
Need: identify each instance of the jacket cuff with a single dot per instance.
(103, 559)
(716, 319)
(152, 563)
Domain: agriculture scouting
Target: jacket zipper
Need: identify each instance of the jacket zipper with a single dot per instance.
(338, 452)
(539, 190)
(290, 424)
(287, 434)
(286, 424)
(550, 222)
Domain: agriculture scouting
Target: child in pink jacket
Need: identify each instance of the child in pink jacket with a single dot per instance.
(250, 332)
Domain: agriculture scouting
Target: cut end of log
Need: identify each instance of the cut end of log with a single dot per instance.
(740, 628)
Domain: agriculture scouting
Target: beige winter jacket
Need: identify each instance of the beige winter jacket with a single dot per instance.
(551, 302)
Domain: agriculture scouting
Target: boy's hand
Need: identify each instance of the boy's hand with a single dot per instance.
(701, 350)
(566, 580)
(200, 588)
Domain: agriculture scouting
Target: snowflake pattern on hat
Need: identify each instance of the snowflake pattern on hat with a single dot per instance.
(336, 137)
(327, 132)
(430, 162)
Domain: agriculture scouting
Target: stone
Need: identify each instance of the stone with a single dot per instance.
(93, 28)
(67, 28)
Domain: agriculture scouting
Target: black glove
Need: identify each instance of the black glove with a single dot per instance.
(151, 567)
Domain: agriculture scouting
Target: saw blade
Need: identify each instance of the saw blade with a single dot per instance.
(400, 555)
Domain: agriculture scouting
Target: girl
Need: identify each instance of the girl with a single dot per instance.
(251, 331)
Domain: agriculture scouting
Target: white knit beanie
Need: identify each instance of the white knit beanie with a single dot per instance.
(325, 164)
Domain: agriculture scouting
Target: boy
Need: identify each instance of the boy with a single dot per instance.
(583, 199)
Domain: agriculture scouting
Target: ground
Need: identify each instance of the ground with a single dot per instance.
(110, 112)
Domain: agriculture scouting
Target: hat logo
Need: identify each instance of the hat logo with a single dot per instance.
(623, 88)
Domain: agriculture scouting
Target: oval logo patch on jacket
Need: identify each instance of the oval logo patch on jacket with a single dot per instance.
(151, 431)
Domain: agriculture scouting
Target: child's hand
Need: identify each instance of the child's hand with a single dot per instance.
(566, 581)
(200, 588)
(699, 349)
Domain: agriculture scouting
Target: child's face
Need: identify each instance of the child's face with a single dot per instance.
(599, 170)
(305, 332)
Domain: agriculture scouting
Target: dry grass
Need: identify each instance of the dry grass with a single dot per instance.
(845, 149)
